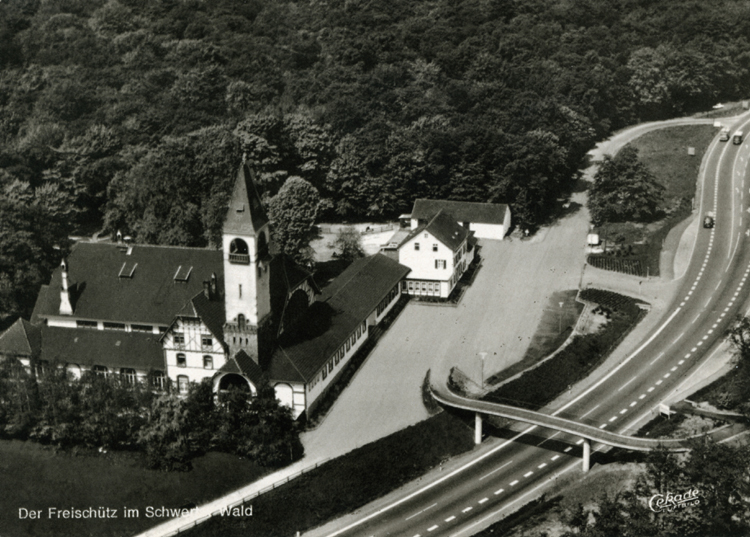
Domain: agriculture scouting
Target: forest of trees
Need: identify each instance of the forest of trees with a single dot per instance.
(133, 115)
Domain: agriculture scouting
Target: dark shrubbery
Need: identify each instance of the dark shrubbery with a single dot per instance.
(348, 482)
(95, 412)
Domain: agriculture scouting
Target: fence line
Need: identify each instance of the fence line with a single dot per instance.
(245, 499)
(364, 231)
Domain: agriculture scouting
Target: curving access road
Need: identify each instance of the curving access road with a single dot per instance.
(499, 480)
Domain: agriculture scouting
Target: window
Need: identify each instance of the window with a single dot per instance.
(416, 246)
(403, 286)
(424, 286)
(337, 357)
(179, 338)
(434, 248)
(364, 326)
(158, 380)
(183, 383)
(114, 326)
(324, 372)
(208, 362)
(142, 328)
(347, 345)
(206, 341)
(128, 375)
(181, 360)
(86, 324)
(440, 263)
(411, 286)
(359, 331)
(330, 366)
(240, 290)
(100, 370)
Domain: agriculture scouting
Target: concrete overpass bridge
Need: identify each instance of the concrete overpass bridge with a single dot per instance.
(588, 433)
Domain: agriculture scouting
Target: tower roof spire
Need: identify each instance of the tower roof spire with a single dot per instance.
(245, 214)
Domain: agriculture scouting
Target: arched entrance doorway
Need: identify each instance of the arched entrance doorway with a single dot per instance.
(229, 381)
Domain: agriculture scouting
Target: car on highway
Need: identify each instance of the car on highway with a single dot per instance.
(708, 221)
(724, 136)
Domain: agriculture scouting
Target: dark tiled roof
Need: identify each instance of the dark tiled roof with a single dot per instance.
(41, 304)
(461, 211)
(211, 312)
(151, 295)
(21, 338)
(343, 305)
(242, 364)
(245, 215)
(287, 275)
(444, 228)
(110, 348)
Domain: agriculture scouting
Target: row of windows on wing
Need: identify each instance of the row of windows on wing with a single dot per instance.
(108, 325)
(179, 340)
(127, 374)
(208, 361)
(339, 355)
(434, 247)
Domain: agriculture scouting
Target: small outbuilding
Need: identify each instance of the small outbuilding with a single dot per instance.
(486, 220)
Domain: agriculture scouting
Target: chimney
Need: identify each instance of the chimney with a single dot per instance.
(213, 285)
(207, 290)
(66, 307)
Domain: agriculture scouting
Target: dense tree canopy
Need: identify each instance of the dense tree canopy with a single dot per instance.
(624, 190)
(721, 509)
(143, 109)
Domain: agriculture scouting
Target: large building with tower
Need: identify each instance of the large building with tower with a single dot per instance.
(239, 316)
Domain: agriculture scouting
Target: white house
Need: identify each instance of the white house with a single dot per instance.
(438, 252)
(486, 220)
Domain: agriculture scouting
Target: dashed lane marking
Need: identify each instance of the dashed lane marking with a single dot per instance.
(469, 508)
(450, 518)
(527, 474)
(514, 483)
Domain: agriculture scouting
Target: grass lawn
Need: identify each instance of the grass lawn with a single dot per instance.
(556, 325)
(664, 152)
(538, 386)
(349, 482)
(38, 477)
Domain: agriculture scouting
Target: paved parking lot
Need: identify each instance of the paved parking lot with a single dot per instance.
(498, 315)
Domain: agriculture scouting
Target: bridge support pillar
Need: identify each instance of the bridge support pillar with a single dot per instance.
(477, 428)
(586, 454)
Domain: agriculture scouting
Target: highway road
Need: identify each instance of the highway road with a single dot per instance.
(712, 291)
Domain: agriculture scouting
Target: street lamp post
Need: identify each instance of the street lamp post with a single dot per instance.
(482, 356)
(559, 319)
